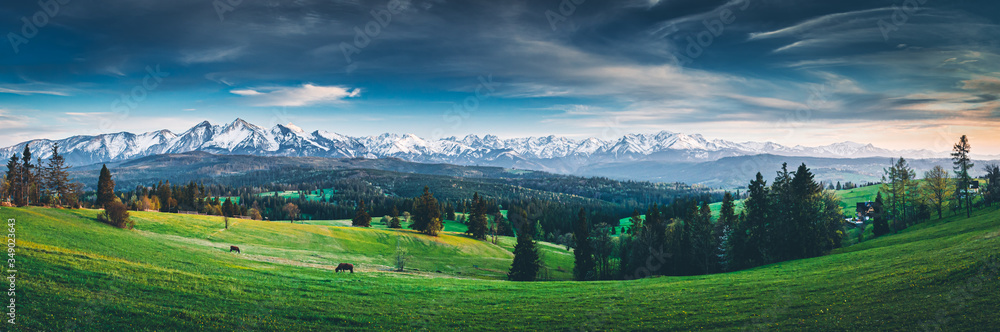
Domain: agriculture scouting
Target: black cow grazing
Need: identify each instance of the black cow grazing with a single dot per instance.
(234, 248)
(345, 267)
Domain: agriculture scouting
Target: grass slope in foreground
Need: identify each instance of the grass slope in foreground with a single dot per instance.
(173, 273)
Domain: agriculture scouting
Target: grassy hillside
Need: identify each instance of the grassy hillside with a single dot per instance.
(174, 273)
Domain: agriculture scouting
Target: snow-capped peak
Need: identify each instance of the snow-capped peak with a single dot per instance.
(294, 128)
(243, 137)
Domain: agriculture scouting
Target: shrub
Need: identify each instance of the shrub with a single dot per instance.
(116, 214)
(402, 256)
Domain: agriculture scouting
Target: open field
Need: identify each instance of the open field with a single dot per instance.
(174, 272)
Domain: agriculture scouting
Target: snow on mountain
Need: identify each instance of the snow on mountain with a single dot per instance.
(242, 137)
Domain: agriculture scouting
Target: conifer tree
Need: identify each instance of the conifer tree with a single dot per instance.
(750, 240)
(427, 215)
(880, 226)
(105, 188)
(584, 257)
(527, 262)
(991, 190)
(361, 217)
(394, 218)
(165, 194)
(57, 178)
(27, 176)
(723, 231)
(14, 177)
(702, 240)
(960, 157)
(478, 222)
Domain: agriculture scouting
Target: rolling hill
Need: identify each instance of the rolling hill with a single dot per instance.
(173, 272)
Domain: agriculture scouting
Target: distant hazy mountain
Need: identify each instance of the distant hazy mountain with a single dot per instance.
(549, 153)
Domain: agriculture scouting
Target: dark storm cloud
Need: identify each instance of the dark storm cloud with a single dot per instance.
(635, 58)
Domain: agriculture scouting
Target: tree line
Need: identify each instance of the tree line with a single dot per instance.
(39, 183)
(792, 218)
(904, 200)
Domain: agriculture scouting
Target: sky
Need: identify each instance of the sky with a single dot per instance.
(913, 74)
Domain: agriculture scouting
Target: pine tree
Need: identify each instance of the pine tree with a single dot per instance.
(724, 229)
(636, 221)
(427, 215)
(14, 177)
(584, 258)
(394, 220)
(26, 177)
(703, 244)
(478, 223)
(361, 217)
(57, 179)
(960, 157)
(880, 226)
(227, 208)
(991, 190)
(526, 259)
(166, 196)
(105, 188)
(449, 211)
(749, 238)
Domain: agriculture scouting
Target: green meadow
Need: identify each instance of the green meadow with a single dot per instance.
(175, 272)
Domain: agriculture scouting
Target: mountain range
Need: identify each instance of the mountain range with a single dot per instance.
(547, 153)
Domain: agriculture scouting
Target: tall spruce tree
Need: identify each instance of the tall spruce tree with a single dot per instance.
(105, 188)
(583, 254)
(702, 241)
(750, 239)
(27, 176)
(880, 226)
(478, 223)
(808, 230)
(527, 262)
(722, 232)
(427, 215)
(166, 195)
(991, 190)
(57, 177)
(361, 217)
(963, 163)
(15, 180)
(394, 220)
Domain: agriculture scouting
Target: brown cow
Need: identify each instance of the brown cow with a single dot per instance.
(234, 248)
(345, 267)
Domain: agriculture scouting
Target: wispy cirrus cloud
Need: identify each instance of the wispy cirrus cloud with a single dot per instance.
(212, 55)
(27, 92)
(304, 95)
